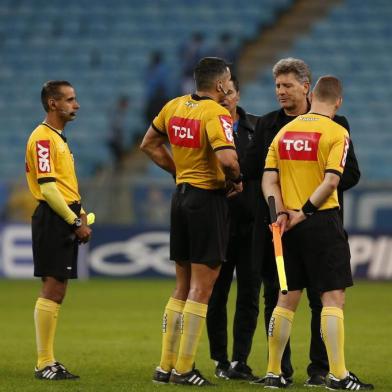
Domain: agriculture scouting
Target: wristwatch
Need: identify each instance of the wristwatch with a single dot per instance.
(77, 223)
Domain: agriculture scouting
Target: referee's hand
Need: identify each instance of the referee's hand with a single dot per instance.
(83, 233)
(295, 218)
(233, 189)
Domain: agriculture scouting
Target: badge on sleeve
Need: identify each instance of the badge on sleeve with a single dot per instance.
(227, 125)
(43, 156)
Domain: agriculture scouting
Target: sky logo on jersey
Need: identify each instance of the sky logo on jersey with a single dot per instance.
(43, 156)
(184, 132)
(227, 125)
(299, 146)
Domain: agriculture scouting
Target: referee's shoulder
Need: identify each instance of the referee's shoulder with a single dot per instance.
(342, 121)
(341, 125)
(40, 131)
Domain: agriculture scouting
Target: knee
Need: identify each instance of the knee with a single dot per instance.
(200, 294)
(54, 290)
(54, 295)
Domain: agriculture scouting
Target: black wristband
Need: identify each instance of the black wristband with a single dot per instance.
(283, 213)
(238, 179)
(309, 208)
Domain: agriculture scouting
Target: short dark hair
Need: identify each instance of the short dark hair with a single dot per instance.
(328, 89)
(208, 70)
(51, 89)
(236, 83)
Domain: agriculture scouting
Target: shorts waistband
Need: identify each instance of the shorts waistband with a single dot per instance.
(73, 203)
(326, 210)
(184, 186)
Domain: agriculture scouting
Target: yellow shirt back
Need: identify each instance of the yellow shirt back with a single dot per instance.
(303, 151)
(196, 127)
(48, 158)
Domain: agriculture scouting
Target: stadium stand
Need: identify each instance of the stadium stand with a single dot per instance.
(102, 48)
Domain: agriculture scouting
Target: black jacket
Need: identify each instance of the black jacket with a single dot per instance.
(243, 206)
(252, 166)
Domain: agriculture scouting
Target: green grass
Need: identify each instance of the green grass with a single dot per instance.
(109, 334)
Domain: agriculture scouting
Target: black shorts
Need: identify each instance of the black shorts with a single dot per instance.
(317, 253)
(55, 252)
(199, 230)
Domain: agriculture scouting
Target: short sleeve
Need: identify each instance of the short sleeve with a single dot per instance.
(219, 128)
(338, 153)
(43, 152)
(159, 121)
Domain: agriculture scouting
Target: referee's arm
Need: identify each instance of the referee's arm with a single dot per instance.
(153, 145)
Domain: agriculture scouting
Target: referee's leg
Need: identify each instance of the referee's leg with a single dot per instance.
(271, 294)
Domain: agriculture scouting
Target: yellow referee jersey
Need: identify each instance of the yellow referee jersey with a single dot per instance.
(196, 127)
(48, 158)
(303, 151)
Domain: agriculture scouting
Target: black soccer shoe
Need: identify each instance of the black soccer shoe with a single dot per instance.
(221, 370)
(261, 381)
(192, 378)
(241, 371)
(54, 372)
(315, 380)
(160, 376)
(273, 381)
(351, 383)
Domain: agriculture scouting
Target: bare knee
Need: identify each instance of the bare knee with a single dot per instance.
(335, 298)
(53, 289)
(290, 300)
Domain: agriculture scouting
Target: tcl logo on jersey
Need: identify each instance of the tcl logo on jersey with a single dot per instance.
(345, 151)
(227, 125)
(43, 156)
(184, 132)
(299, 146)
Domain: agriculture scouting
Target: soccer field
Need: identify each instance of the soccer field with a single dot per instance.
(109, 333)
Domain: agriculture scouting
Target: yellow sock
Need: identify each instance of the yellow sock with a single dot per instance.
(278, 334)
(332, 328)
(45, 317)
(194, 317)
(171, 332)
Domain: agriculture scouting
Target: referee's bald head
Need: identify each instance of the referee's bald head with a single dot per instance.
(328, 89)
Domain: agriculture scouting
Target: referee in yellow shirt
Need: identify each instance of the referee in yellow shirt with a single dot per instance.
(203, 160)
(59, 223)
(303, 168)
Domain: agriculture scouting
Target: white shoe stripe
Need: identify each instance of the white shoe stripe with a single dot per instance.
(196, 380)
(52, 376)
(348, 386)
(201, 382)
(45, 373)
(192, 378)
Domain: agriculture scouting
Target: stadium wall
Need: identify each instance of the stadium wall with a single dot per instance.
(137, 251)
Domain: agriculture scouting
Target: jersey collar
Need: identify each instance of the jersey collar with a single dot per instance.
(55, 130)
(198, 98)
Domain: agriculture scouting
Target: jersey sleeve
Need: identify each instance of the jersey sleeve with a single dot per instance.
(219, 128)
(338, 153)
(271, 162)
(43, 152)
(159, 121)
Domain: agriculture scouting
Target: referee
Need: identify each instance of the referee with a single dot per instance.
(292, 83)
(204, 161)
(58, 224)
(302, 171)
